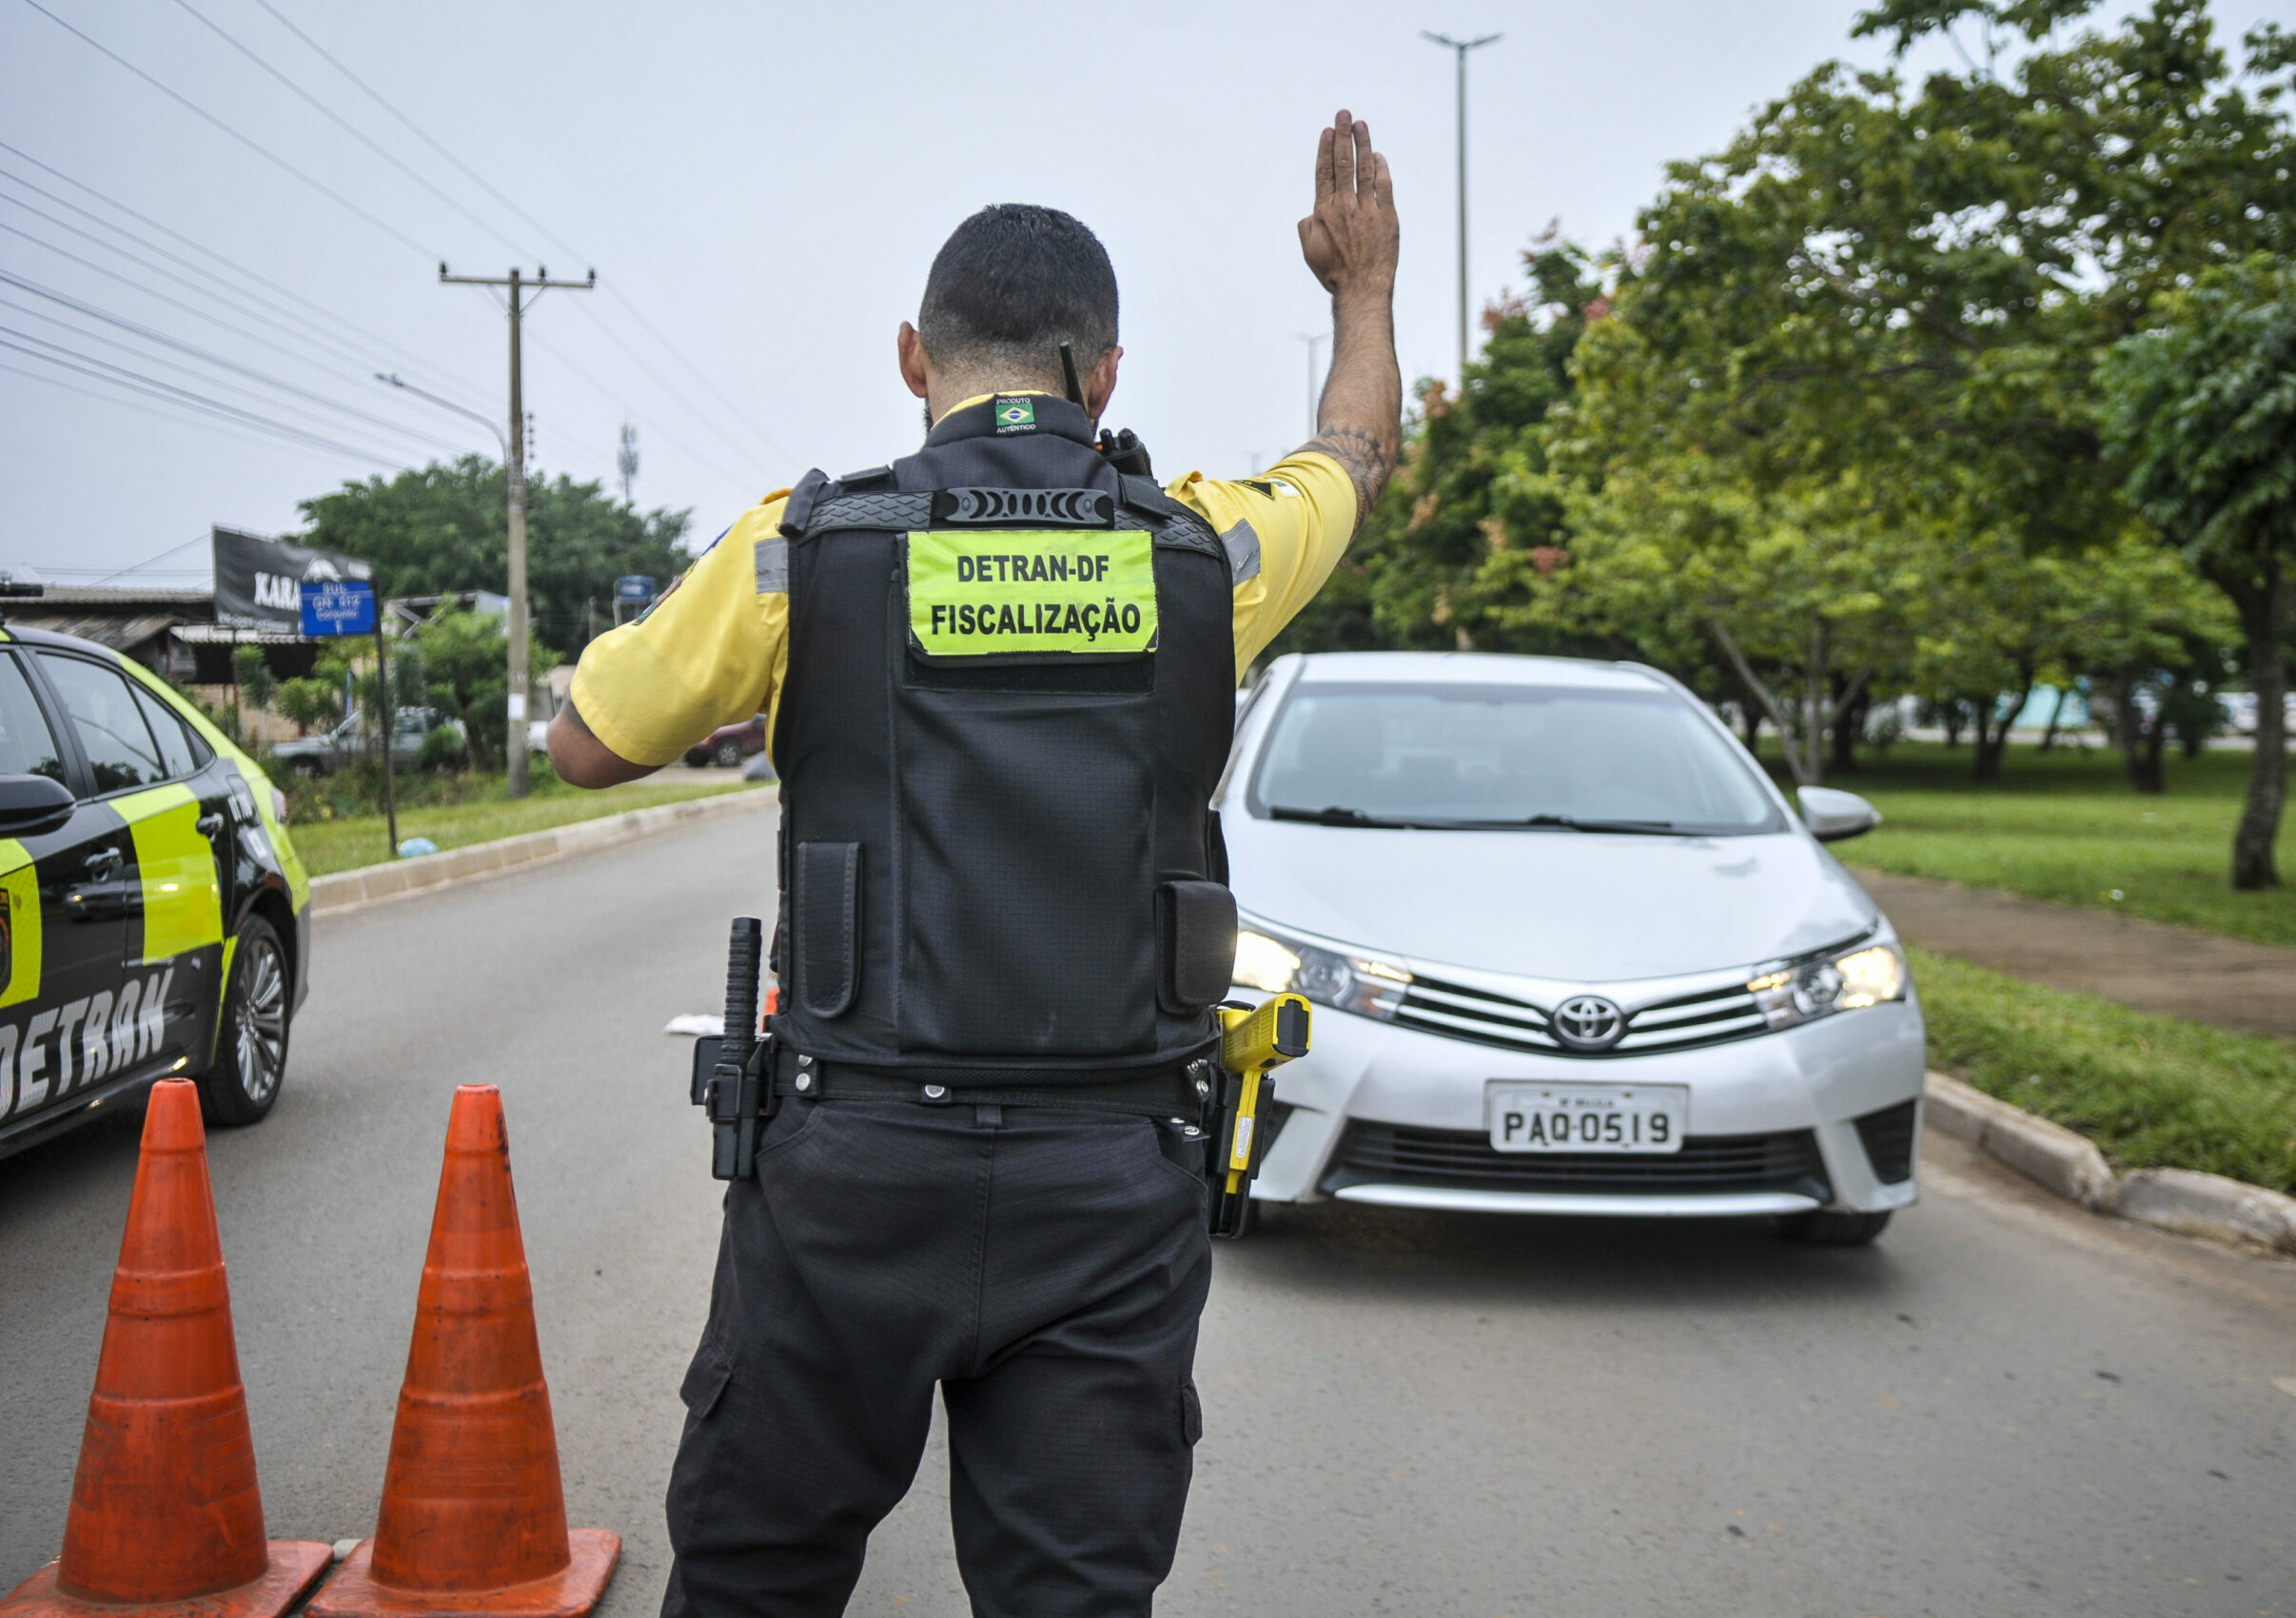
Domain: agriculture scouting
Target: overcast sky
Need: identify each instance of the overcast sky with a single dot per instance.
(760, 188)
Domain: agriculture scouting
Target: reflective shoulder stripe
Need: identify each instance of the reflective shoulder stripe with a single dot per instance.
(772, 566)
(1241, 543)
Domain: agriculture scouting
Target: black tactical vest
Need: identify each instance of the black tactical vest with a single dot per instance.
(1011, 692)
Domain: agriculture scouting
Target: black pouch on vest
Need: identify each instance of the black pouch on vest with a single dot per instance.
(828, 909)
(1195, 944)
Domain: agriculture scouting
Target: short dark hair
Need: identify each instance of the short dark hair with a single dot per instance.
(1009, 284)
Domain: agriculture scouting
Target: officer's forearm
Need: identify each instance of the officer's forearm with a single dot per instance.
(1359, 422)
(581, 759)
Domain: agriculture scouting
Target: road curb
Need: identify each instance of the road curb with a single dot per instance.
(344, 890)
(2070, 1165)
(2196, 1204)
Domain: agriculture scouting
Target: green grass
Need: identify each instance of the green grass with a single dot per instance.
(337, 825)
(2153, 1091)
(2066, 825)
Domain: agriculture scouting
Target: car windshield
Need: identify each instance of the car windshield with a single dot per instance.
(1538, 757)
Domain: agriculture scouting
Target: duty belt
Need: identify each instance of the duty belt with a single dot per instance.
(1176, 1094)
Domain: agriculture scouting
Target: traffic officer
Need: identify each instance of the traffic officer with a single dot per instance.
(1000, 677)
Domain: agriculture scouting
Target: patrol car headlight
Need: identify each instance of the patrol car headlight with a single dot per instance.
(1363, 984)
(1819, 987)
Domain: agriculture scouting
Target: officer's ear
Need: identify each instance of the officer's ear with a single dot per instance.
(1101, 384)
(917, 370)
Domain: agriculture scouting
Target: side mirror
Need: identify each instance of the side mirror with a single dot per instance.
(1833, 816)
(30, 805)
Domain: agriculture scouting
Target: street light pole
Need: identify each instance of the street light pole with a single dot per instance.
(514, 742)
(1314, 341)
(1460, 49)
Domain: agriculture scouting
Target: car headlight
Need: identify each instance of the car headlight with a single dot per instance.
(1363, 984)
(1819, 987)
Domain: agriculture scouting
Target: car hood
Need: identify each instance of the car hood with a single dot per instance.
(1584, 907)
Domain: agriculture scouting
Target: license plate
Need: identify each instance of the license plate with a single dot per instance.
(1588, 1117)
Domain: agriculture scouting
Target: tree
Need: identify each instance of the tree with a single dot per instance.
(1878, 311)
(256, 682)
(465, 660)
(445, 529)
(1473, 509)
(310, 702)
(2203, 414)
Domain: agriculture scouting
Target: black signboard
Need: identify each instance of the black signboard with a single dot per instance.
(259, 582)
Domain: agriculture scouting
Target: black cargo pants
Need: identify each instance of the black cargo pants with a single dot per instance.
(1046, 1267)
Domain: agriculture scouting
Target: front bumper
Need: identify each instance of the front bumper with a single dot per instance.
(1825, 1114)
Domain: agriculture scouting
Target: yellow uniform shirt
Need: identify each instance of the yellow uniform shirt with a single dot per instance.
(716, 650)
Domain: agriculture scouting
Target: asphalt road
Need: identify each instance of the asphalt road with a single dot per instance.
(2006, 1407)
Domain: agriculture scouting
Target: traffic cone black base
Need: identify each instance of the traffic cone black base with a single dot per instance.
(295, 1566)
(570, 1592)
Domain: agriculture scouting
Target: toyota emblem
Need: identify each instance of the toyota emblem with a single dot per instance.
(1588, 1023)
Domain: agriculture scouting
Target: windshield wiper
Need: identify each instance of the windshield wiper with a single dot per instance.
(1573, 824)
(1330, 814)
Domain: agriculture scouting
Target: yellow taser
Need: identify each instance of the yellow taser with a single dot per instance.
(1252, 1043)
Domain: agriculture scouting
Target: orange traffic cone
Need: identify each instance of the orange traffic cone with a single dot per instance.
(474, 1518)
(165, 1516)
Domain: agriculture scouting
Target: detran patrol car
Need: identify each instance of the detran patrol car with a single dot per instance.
(154, 918)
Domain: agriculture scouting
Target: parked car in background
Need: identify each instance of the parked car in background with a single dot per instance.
(154, 918)
(729, 744)
(332, 750)
(1572, 951)
(2240, 710)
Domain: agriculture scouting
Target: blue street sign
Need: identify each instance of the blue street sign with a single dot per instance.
(634, 587)
(338, 607)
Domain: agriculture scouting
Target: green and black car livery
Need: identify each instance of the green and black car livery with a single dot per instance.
(154, 918)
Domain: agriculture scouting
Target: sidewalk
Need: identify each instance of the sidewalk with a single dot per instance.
(2176, 970)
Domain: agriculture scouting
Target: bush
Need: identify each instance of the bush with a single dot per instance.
(442, 749)
(310, 703)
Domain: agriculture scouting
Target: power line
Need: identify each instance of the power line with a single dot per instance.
(152, 386)
(232, 303)
(711, 422)
(261, 151)
(415, 433)
(731, 409)
(553, 237)
(612, 396)
(405, 354)
(376, 96)
(111, 401)
(141, 565)
(355, 132)
(126, 325)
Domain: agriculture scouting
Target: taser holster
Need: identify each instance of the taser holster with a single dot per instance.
(733, 1073)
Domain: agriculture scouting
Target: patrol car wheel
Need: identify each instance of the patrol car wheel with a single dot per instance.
(251, 1048)
(728, 756)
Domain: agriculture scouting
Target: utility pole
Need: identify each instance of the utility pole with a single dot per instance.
(522, 293)
(1460, 49)
(1314, 341)
(625, 459)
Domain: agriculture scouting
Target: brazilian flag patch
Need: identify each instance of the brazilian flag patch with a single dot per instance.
(1032, 593)
(1015, 415)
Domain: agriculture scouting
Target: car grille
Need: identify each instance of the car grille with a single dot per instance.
(1375, 1153)
(1887, 1135)
(1458, 1012)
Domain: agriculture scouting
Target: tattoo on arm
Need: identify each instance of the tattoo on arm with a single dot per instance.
(1367, 460)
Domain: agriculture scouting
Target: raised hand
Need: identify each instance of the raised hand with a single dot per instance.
(1350, 240)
